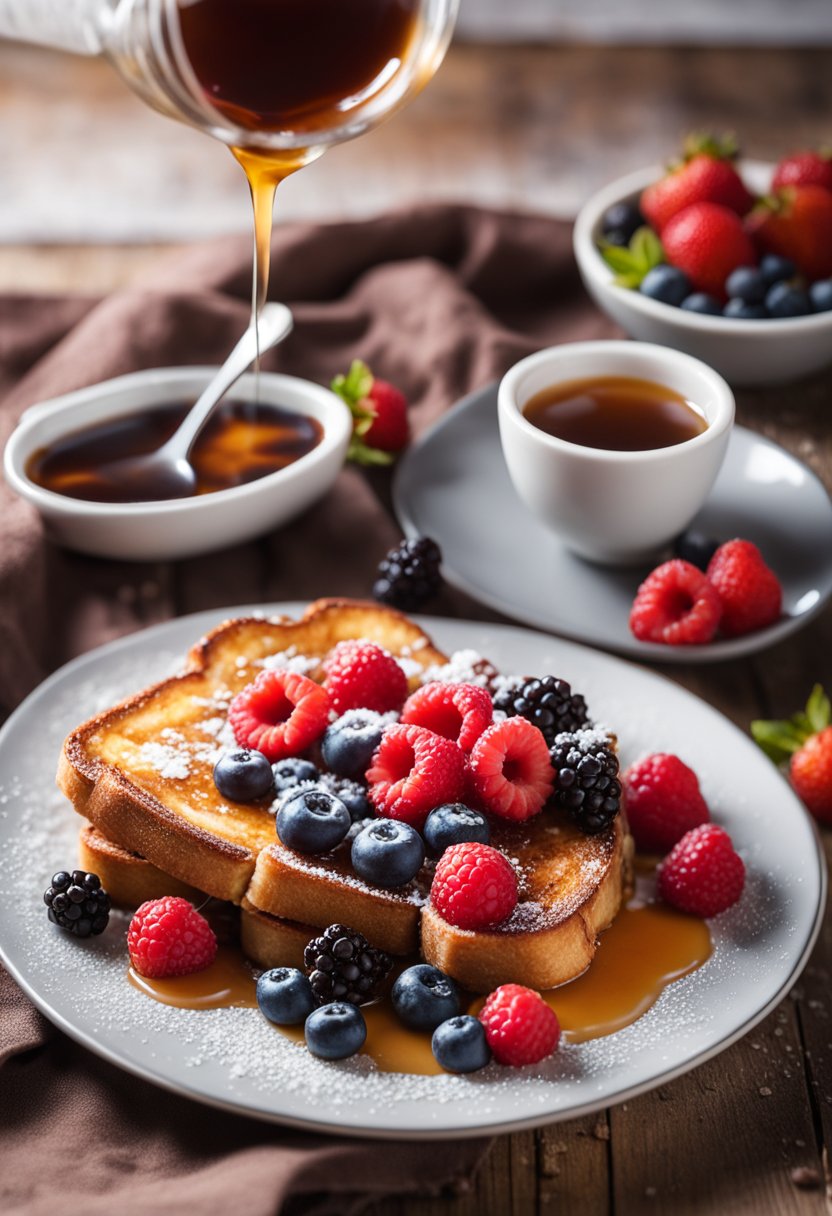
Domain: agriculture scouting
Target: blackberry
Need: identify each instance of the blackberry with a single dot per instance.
(343, 966)
(586, 780)
(409, 574)
(77, 902)
(548, 703)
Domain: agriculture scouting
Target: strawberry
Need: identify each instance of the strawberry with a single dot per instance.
(707, 241)
(381, 426)
(796, 223)
(805, 740)
(706, 174)
(804, 169)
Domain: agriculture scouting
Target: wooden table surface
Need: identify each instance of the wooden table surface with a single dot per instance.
(748, 1132)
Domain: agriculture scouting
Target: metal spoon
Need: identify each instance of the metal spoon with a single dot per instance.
(167, 472)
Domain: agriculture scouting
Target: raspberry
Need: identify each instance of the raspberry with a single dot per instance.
(510, 772)
(413, 771)
(519, 1025)
(169, 937)
(362, 675)
(280, 714)
(456, 711)
(749, 592)
(675, 604)
(663, 802)
(702, 874)
(474, 887)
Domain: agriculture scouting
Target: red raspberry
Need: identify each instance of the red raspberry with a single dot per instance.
(748, 590)
(702, 874)
(663, 802)
(414, 771)
(675, 604)
(519, 1025)
(474, 887)
(280, 714)
(169, 937)
(362, 675)
(456, 711)
(510, 772)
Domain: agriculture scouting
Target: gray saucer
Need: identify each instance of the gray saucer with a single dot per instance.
(453, 485)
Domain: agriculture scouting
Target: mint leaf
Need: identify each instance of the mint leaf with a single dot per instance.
(818, 709)
(779, 740)
(360, 453)
(632, 263)
(355, 386)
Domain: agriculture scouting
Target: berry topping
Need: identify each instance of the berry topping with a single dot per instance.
(702, 874)
(586, 779)
(280, 714)
(663, 802)
(243, 775)
(805, 741)
(509, 769)
(460, 1045)
(387, 852)
(78, 903)
(169, 937)
(474, 887)
(456, 711)
(335, 1031)
(519, 1026)
(291, 772)
(353, 795)
(414, 771)
(676, 604)
(343, 966)
(348, 744)
(362, 675)
(311, 820)
(408, 577)
(284, 996)
(380, 412)
(549, 704)
(454, 823)
(749, 592)
(424, 997)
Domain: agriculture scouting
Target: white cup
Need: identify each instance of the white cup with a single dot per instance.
(615, 508)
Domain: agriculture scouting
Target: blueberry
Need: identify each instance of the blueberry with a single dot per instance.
(746, 283)
(454, 823)
(353, 795)
(744, 312)
(423, 996)
(667, 284)
(285, 996)
(243, 775)
(623, 218)
(820, 294)
(617, 236)
(783, 300)
(388, 853)
(775, 269)
(311, 820)
(335, 1031)
(701, 302)
(350, 741)
(460, 1045)
(696, 548)
(291, 772)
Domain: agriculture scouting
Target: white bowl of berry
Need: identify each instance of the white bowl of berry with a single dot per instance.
(727, 260)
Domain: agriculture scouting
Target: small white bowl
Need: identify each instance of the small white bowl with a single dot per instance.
(159, 531)
(745, 352)
(614, 508)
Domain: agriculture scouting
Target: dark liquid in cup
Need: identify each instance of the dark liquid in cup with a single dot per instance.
(617, 413)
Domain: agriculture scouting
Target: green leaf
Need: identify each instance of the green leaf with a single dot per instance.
(647, 247)
(632, 263)
(721, 147)
(360, 453)
(818, 709)
(779, 740)
(355, 386)
(617, 257)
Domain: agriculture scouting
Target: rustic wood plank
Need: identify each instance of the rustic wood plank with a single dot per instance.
(573, 1167)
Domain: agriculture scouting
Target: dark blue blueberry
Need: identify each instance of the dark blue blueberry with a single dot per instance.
(353, 795)
(454, 823)
(388, 853)
(746, 283)
(783, 300)
(744, 312)
(623, 218)
(667, 284)
(696, 548)
(617, 236)
(820, 294)
(702, 303)
(460, 1045)
(335, 1031)
(312, 820)
(775, 269)
(348, 744)
(291, 772)
(285, 996)
(243, 775)
(423, 996)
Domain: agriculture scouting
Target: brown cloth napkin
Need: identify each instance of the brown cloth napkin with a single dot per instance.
(440, 300)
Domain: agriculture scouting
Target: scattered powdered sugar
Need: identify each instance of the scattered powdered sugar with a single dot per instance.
(586, 739)
(284, 660)
(463, 667)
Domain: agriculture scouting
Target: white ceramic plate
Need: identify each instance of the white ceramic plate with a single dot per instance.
(230, 1057)
(453, 485)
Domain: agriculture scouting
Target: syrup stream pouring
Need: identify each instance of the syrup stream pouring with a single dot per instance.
(167, 472)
